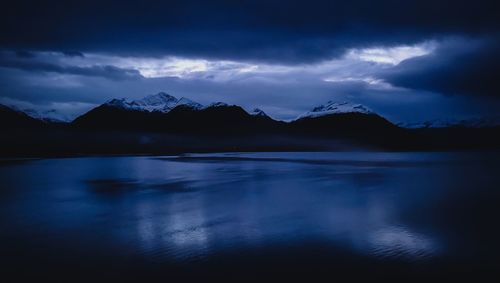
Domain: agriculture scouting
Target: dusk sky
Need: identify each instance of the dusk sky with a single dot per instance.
(407, 60)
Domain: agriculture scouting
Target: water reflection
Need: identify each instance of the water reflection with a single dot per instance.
(189, 208)
(241, 203)
(173, 234)
(400, 242)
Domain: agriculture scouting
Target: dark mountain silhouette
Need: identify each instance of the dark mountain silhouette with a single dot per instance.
(217, 119)
(162, 124)
(330, 120)
(13, 119)
(106, 117)
(344, 124)
(220, 119)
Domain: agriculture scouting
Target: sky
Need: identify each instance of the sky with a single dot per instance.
(409, 61)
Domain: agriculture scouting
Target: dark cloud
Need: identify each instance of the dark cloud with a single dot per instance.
(25, 54)
(31, 64)
(454, 68)
(73, 54)
(287, 31)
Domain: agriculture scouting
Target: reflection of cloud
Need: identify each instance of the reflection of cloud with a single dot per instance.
(373, 228)
(399, 242)
(172, 229)
(145, 226)
(186, 229)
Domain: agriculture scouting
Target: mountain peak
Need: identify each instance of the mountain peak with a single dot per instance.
(258, 112)
(160, 102)
(160, 98)
(334, 107)
(218, 104)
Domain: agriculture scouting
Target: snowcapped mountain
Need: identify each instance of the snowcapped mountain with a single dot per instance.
(332, 107)
(164, 103)
(161, 113)
(161, 102)
(51, 116)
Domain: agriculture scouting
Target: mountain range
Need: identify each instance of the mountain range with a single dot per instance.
(163, 123)
(165, 113)
(164, 103)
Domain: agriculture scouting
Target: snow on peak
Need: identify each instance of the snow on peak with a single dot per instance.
(157, 102)
(218, 104)
(159, 99)
(258, 112)
(332, 107)
(161, 102)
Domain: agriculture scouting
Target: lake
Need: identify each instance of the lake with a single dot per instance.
(344, 215)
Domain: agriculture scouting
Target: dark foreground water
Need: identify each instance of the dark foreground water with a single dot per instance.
(383, 216)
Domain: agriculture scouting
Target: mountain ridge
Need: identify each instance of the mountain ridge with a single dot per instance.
(163, 103)
(163, 112)
(107, 129)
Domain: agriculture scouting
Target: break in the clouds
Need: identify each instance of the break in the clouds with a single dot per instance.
(406, 59)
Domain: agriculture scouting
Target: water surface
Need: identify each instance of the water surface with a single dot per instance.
(349, 215)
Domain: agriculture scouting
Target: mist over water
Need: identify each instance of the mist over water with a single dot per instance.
(255, 213)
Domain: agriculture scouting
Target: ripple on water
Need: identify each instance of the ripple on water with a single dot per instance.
(397, 242)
